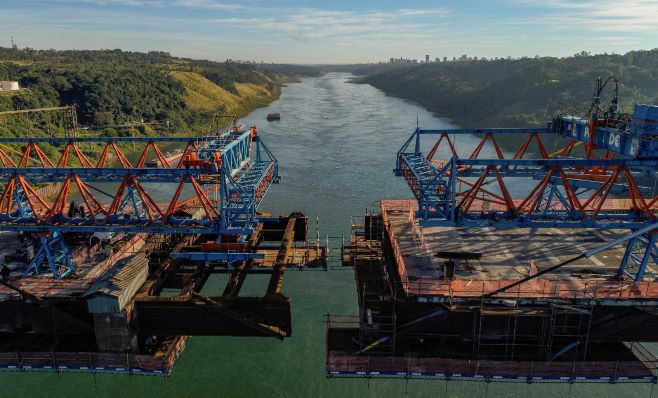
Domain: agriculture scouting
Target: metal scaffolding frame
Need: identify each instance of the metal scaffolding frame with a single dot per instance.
(597, 190)
(236, 164)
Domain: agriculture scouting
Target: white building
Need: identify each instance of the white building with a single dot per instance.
(7, 85)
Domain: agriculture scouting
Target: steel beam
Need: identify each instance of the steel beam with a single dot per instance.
(216, 256)
(215, 316)
(60, 140)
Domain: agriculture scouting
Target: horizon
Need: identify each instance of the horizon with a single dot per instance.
(289, 31)
(473, 57)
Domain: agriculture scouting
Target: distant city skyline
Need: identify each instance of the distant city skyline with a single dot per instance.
(340, 31)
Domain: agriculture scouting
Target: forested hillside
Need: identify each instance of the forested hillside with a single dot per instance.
(114, 87)
(516, 93)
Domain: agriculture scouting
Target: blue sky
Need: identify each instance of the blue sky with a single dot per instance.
(336, 31)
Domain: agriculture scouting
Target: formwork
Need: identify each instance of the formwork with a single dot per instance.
(422, 317)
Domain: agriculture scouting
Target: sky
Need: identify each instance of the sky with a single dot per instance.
(338, 31)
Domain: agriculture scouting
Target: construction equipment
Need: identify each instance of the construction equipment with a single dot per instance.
(236, 167)
(597, 190)
(551, 256)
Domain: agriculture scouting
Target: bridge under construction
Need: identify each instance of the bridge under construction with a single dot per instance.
(534, 267)
(106, 254)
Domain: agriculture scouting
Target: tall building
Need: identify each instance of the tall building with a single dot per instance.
(427, 58)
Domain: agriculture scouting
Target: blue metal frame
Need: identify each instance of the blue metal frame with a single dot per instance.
(437, 194)
(617, 140)
(132, 198)
(416, 137)
(243, 182)
(53, 251)
(54, 174)
(434, 186)
(639, 252)
(238, 199)
(217, 256)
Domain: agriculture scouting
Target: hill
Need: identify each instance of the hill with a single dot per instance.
(114, 87)
(519, 92)
(203, 95)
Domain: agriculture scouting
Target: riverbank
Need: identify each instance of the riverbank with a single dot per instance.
(151, 91)
(525, 92)
(203, 95)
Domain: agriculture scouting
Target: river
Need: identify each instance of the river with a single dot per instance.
(336, 144)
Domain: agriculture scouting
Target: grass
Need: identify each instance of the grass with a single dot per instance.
(203, 95)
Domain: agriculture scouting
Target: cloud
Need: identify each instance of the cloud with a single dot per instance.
(194, 4)
(331, 32)
(299, 23)
(631, 16)
(308, 23)
(210, 5)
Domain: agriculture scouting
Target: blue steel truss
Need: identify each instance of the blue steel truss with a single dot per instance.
(53, 253)
(237, 162)
(66, 140)
(106, 174)
(241, 196)
(243, 183)
(132, 203)
(435, 189)
(640, 252)
(440, 202)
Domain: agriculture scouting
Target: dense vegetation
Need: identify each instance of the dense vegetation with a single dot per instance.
(520, 92)
(114, 87)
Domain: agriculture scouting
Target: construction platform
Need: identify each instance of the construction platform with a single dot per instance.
(424, 309)
(130, 306)
(508, 255)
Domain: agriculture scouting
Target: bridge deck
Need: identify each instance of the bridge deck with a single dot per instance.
(508, 255)
(90, 266)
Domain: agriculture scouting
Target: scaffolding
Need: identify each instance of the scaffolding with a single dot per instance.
(517, 338)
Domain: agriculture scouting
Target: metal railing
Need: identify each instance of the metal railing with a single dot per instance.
(345, 364)
(91, 362)
(539, 288)
(536, 290)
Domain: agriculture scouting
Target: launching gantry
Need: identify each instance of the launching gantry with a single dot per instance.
(227, 184)
(597, 189)
(110, 256)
